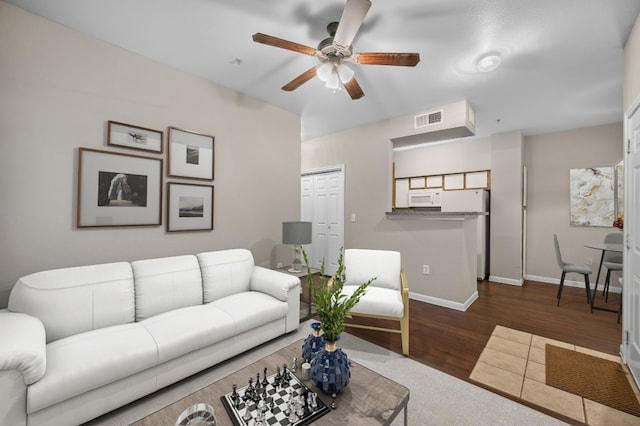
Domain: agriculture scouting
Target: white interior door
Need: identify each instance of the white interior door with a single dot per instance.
(306, 209)
(335, 219)
(631, 273)
(323, 205)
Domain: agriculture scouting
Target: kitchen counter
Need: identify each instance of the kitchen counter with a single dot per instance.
(418, 213)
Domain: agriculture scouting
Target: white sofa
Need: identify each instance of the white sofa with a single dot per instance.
(76, 343)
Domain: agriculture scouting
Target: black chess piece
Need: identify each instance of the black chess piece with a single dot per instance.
(265, 381)
(235, 398)
(248, 392)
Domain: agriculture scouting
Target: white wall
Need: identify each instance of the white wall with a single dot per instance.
(58, 88)
(548, 159)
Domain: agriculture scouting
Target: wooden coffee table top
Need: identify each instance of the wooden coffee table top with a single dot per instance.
(369, 398)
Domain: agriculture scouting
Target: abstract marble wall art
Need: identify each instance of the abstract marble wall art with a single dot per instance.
(592, 196)
(619, 174)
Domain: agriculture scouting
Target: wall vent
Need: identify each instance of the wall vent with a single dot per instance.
(428, 119)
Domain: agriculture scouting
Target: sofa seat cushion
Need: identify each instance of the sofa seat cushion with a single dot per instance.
(377, 301)
(251, 309)
(87, 361)
(188, 329)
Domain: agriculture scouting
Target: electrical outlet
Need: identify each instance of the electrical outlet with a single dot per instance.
(353, 217)
(279, 265)
(589, 261)
(426, 270)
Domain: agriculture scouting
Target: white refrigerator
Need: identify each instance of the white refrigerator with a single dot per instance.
(472, 200)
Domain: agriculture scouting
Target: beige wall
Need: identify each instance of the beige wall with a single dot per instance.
(548, 159)
(632, 66)
(367, 154)
(58, 88)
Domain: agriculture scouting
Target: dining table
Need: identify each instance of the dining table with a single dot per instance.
(604, 247)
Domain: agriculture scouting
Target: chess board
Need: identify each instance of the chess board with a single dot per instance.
(275, 399)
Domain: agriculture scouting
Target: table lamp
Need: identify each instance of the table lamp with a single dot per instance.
(296, 234)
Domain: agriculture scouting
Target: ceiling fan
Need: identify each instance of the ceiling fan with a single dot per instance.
(335, 50)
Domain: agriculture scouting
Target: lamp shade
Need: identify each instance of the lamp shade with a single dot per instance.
(296, 233)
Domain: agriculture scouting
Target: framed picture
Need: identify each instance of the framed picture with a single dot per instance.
(134, 137)
(189, 207)
(118, 189)
(190, 154)
(592, 201)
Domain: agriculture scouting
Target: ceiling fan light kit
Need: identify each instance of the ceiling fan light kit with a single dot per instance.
(333, 51)
(489, 62)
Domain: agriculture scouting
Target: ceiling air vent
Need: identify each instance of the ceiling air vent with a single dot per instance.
(428, 119)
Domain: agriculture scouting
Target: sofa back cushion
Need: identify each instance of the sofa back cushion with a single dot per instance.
(166, 284)
(69, 301)
(225, 272)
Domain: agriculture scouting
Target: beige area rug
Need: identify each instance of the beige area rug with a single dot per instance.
(591, 377)
(436, 398)
(515, 363)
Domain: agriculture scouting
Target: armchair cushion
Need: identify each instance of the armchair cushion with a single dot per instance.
(377, 301)
(362, 265)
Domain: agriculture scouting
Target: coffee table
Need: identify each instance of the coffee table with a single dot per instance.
(368, 399)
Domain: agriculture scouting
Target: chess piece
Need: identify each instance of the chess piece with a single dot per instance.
(294, 364)
(312, 400)
(333, 401)
(265, 381)
(235, 398)
(247, 414)
(299, 406)
(278, 376)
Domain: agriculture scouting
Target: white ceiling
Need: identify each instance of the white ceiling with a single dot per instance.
(562, 59)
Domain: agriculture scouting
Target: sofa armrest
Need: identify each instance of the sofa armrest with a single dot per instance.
(24, 346)
(283, 287)
(274, 283)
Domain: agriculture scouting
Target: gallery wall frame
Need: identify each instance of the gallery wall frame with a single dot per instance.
(134, 137)
(190, 154)
(592, 196)
(189, 207)
(117, 189)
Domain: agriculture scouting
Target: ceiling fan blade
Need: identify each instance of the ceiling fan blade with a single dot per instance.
(354, 89)
(283, 44)
(376, 58)
(350, 22)
(300, 80)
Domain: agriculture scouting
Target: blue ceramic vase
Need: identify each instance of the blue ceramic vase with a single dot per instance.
(331, 369)
(313, 343)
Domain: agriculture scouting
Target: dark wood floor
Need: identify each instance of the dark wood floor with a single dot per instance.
(452, 341)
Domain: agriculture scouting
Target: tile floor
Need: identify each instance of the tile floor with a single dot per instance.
(514, 362)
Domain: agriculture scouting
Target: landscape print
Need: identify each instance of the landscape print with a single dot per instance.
(191, 207)
(193, 154)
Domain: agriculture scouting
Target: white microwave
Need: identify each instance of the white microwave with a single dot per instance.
(424, 198)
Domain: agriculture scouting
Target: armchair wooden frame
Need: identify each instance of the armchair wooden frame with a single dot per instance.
(404, 320)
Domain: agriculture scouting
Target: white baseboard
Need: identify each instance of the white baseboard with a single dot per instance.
(612, 288)
(443, 302)
(510, 281)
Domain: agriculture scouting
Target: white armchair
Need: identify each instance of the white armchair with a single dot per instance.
(387, 297)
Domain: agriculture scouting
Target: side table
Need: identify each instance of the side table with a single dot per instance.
(306, 306)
